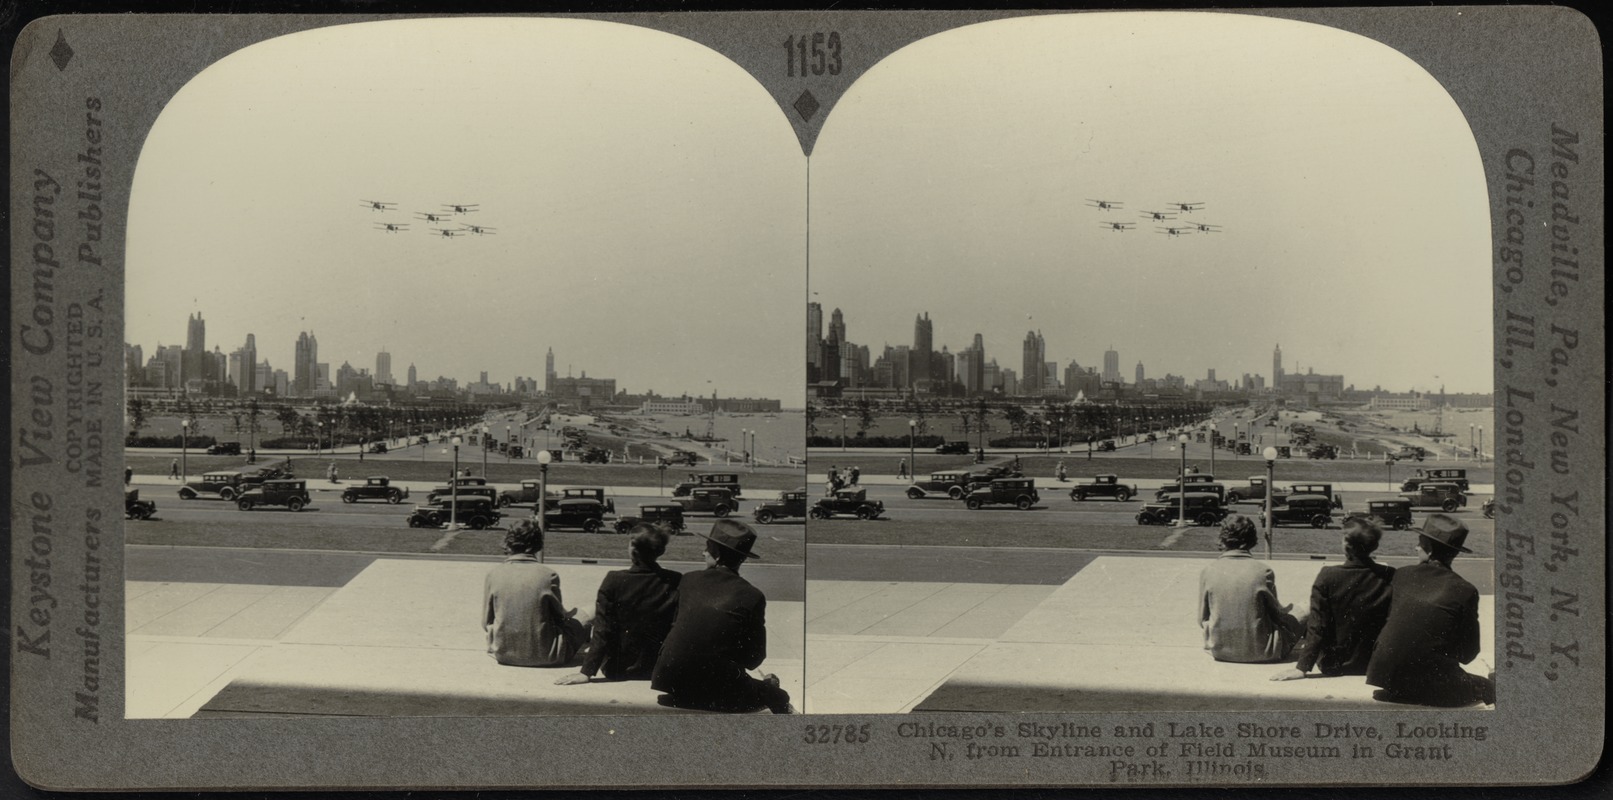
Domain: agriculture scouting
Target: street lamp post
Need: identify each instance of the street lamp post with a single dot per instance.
(484, 451)
(543, 494)
(842, 433)
(1211, 428)
(453, 488)
(1481, 444)
(1471, 448)
(184, 450)
(1181, 484)
(506, 444)
(1389, 470)
(744, 446)
(1271, 488)
(912, 451)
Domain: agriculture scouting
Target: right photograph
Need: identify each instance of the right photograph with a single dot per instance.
(1150, 368)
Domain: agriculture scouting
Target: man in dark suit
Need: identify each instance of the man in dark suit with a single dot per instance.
(632, 614)
(1433, 627)
(719, 633)
(1349, 605)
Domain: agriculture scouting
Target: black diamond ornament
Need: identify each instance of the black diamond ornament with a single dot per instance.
(61, 52)
(806, 105)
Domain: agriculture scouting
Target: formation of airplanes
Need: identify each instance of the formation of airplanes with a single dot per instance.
(1167, 216)
(445, 217)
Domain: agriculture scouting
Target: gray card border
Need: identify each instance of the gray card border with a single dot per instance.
(1516, 72)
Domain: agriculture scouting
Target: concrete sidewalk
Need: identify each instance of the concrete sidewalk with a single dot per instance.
(1118, 636)
(403, 638)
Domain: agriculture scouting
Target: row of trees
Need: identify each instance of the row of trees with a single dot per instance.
(1051, 421)
(327, 422)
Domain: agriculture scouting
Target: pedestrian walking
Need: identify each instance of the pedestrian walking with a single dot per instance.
(855, 473)
(901, 469)
(128, 475)
(173, 470)
(332, 472)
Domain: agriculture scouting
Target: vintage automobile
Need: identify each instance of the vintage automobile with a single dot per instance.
(714, 500)
(953, 449)
(227, 485)
(1244, 449)
(448, 488)
(723, 480)
(1409, 451)
(951, 483)
(292, 494)
(1327, 451)
(594, 493)
(1018, 492)
(1103, 486)
(224, 449)
(1323, 489)
(1314, 510)
(666, 515)
(1394, 514)
(135, 508)
(474, 512)
(1107, 445)
(575, 512)
(1255, 490)
(1195, 483)
(1446, 497)
(684, 457)
(525, 496)
(378, 487)
(847, 502)
(789, 504)
(1203, 508)
(594, 455)
(1422, 476)
(378, 447)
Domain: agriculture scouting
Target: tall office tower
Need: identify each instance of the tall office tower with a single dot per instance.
(918, 365)
(969, 370)
(1139, 373)
(249, 382)
(837, 326)
(829, 358)
(413, 377)
(814, 340)
(991, 376)
(263, 377)
(949, 369)
(1277, 367)
(1030, 368)
(383, 367)
(173, 356)
(548, 371)
(304, 366)
(195, 361)
(1111, 366)
(134, 364)
(1212, 374)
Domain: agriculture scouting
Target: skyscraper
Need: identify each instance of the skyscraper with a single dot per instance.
(1111, 366)
(383, 367)
(413, 377)
(305, 365)
(195, 362)
(1139, 373)
(837, 325)
(814, 341)
(1276, 367)
(548, 371)
(918, 369)
(1030, 368)
(249, 367)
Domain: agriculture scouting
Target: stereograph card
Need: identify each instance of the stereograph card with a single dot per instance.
(1389, 220)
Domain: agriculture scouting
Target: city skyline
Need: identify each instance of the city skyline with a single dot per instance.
(956, 179)
(648, 196)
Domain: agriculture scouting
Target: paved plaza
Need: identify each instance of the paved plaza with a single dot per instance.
(1120, 635)
(401, 638)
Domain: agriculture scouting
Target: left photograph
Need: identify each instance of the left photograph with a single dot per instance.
(463, 379)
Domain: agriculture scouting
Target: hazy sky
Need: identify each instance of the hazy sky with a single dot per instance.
(952, 178)
(648, 196)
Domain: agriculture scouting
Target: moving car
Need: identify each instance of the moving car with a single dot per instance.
(848, 502)
(1203, 508)
(575, 512)
(448, 488)
(667, 515)
(714, 500)
(476, 513)
(1314, 510)
(1421, 476)
(135, 508)
(788, 505)
(292, 494)
(951, 483)
(953, 448)
(224, 449)
(1409, 451)
(1103, 486)
(375, 488)
(225, 484)
(1323, 489)
(1446, 497)
(1253, 491)
(1018, 492)
(524, 496)
(724, 480)
(1394, 514)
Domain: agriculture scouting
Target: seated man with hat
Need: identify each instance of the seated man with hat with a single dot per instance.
(1433, 627)
(720, 632)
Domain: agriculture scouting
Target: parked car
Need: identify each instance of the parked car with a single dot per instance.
(1421, 476)
(135, 508)
(953, 449)
(224, 449)
(1323, 451)
(292, 494)
(1323, 489)
(1168, 492)
(594, 493)
(715, 500)
(525, 496)
(1446, 497)
(1103, 486)
(1394, 514)
(375, 488)
(951, 483)
(667, 515)
(575, 512)
(847, 502)
(595, 455)
(1314, 510)
(1203, 508)
(1106, 445)
(1254, 490)
(378, 447)
(1018, 492)
(475, 512)
(225, 484)
(791, 504)
(723, 480)
(1409, 452)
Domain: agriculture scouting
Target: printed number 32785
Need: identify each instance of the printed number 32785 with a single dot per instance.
(837, 734)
